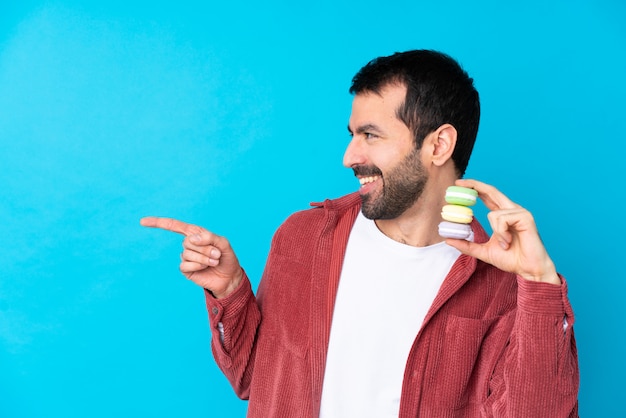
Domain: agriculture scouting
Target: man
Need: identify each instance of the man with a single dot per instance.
(364, 310)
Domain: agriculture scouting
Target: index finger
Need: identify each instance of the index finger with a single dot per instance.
(493, 198)
(170, 224)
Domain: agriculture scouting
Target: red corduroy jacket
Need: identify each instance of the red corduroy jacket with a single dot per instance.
(492, 344)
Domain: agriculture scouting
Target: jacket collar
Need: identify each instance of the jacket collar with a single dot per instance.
(353, 199)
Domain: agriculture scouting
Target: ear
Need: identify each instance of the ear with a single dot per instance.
(443, 141)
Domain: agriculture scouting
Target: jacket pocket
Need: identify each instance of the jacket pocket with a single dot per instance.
(460, 361)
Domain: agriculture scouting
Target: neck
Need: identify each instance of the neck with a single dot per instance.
(418, 231)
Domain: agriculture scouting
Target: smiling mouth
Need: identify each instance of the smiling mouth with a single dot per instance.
(367, 180)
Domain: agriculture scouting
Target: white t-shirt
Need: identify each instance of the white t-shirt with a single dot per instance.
(385, 291)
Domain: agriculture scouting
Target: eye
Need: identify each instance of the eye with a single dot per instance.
(369, 135)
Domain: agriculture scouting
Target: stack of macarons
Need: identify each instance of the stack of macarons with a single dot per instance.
(456, 214)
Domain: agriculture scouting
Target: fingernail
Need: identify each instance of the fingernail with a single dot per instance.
(215, 253)
(194, 238)
(504, 245)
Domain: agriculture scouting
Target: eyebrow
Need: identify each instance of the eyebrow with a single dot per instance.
(369, 127)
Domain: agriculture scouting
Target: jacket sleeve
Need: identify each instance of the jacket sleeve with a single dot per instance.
(234, 323)
(537, 375)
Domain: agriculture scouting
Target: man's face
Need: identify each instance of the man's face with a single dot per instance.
(383, 156)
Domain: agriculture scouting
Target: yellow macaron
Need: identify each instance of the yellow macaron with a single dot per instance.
(457, 213)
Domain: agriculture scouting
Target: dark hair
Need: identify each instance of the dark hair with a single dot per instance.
(439, 91)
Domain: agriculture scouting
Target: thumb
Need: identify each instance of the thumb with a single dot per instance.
(468, 248)
(206, 238)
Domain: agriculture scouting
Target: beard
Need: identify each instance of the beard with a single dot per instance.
(402, 186)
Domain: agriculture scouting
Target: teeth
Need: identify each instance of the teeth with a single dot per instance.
(365, 180)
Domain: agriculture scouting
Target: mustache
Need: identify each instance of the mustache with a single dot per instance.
(367, 170)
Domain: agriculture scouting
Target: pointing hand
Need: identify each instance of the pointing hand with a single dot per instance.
(207, 259)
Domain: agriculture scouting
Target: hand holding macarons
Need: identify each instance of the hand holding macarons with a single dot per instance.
(515, 245)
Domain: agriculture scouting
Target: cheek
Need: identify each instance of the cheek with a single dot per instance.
(390, 160)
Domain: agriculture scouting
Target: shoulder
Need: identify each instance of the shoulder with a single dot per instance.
(322, 212)
(302, 228)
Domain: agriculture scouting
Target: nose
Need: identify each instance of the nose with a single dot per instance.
(354, 154)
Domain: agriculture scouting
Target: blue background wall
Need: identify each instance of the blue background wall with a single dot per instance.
(232, 115)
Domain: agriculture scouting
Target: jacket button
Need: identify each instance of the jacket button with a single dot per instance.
(215, 311)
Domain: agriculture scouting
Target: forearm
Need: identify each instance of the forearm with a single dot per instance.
(234, 321)
(537, 375)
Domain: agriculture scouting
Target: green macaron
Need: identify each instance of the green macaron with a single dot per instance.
(464, 196)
